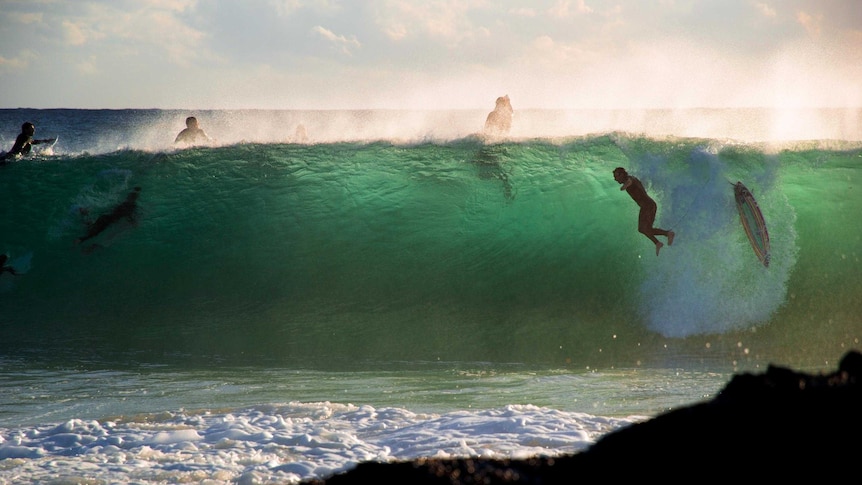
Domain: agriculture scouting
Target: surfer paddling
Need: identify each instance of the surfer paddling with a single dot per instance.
(646, 217)
(24, 142)
(499, 121)
(192, 133)
(126, 209)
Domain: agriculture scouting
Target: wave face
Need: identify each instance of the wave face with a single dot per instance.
(355, 253)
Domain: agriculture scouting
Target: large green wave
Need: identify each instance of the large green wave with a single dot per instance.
(339, 254)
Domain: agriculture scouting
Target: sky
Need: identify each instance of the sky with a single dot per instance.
(430, 54)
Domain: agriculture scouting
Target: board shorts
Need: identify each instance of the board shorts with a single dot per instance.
(646, 217)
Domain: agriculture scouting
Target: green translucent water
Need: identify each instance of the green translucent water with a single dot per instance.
(347, 255)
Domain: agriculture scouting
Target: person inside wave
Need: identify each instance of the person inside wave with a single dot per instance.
(4, 268)
(192, 133)
(499, 121)
(24, 142)
(646, 217)
(127, 209)
(301, 134)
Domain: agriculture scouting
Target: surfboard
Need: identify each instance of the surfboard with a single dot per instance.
(45, 148)
(752, 222)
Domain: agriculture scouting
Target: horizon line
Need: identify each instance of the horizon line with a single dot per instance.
(655, 108)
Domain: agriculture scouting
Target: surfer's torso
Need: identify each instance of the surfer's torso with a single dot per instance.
(637, 192)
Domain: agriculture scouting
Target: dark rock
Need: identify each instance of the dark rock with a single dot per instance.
(781, 425)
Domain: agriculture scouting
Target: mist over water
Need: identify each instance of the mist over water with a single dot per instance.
(106, 131)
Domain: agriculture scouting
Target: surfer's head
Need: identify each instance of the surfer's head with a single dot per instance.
(192, 122)
(28, 128)
(504, 103)
(620, 174)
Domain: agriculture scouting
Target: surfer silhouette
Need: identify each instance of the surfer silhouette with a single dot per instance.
(3, 267)
(126, 210)
(192, 133)
(499, 121)
(648, 208)
(301, 134)
(24, 142)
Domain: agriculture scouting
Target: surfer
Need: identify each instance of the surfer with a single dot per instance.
(24, 142)
(301, 134)
(126, 209)
(646, 218)
(3, 267)
(499, 121)
(192, 133)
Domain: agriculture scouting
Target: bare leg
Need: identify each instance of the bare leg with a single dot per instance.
(661, 232)
(646, 218)
(651, 237)
(668, 234)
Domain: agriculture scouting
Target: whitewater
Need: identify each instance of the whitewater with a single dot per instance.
(398, 285)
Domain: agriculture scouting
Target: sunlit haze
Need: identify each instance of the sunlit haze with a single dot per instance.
(420, 54)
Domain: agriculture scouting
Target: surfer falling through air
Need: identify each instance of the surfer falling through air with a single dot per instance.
(646, 217)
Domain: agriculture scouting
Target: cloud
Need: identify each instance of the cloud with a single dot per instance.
(811, 23)
(442, 21)
(523, 12)
(341, 42)
(26, 18)
(544, 51)
(88, 66)
(78, 34)
(108, 33)
(175, 37)
(395, 32)
(766, 10)
(286, 7)
(564, 9)
(18, 62)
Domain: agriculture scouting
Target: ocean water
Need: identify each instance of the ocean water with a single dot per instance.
(397, 286)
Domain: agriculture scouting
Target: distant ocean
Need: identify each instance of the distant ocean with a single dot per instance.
(397, 286)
